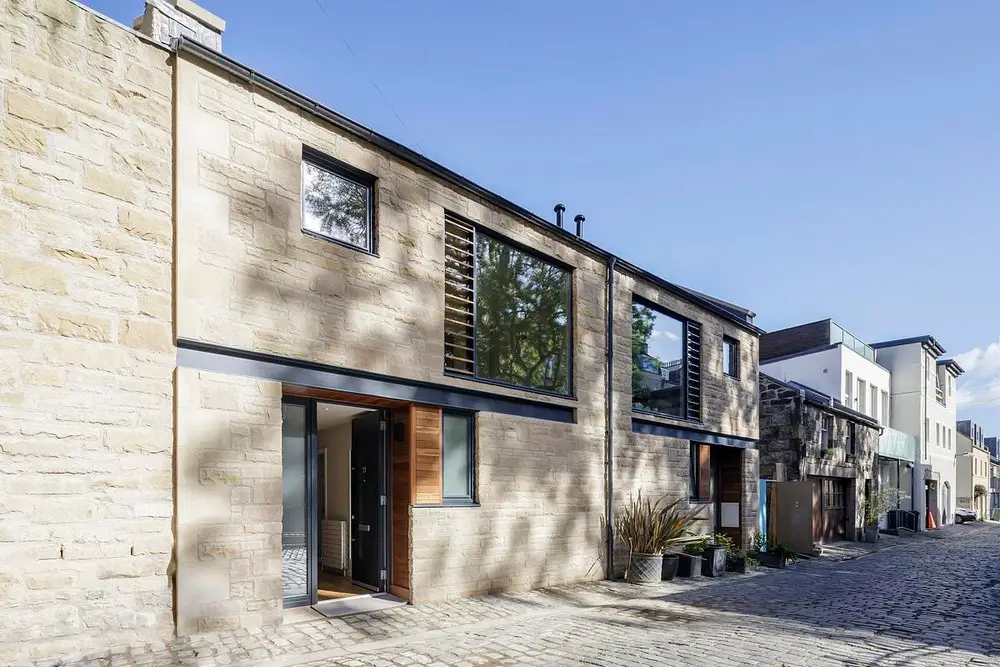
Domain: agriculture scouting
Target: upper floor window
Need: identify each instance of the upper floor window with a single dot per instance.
(861, 396)
(852, 438)
(849, 389)
(666, 363)
(885, 408)
(337, 201)
(826, 433)
(507, 312)
(730, 357)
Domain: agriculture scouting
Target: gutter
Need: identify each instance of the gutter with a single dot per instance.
(398, 150)
(609, 416)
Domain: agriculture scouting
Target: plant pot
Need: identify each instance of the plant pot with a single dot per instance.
(871, 533)
(645, 569)
(689, 566)
(773, 559)
(670, 564)
(713, 562)
(736, 564)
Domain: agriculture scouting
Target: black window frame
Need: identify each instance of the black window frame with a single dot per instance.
(479, 230)
(827, 424)
(734, 357)
(852, 438)
(348, 173)
(469, 500)
(694, 473)
(686, 326)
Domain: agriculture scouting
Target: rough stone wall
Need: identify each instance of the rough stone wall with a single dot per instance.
(542, 500)
(86, 351)
(660, 466)
(249, 278)
(228, 502)
(781, 433)
(791, 440)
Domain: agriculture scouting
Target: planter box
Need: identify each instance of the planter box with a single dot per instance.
(689, 566)
(670, 564)
(773, 559)
(645, 569)
(737, 564)
(714, 561)
(871, 533)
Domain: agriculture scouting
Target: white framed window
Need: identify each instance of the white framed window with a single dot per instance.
(861, 396)
(873, 401)
(848, 389)
(885, 408)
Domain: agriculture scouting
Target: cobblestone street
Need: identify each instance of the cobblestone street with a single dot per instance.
(926, 601)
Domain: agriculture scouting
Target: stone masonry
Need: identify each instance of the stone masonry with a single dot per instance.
(249, 279)
(228, 502)
(86, 353)
(791, 448)
(660, 466)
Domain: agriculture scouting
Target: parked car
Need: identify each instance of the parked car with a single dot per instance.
(963, 514)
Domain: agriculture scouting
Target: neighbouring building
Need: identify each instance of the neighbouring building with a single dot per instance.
(821, 457)
(972, 468)
(993, 445)
(827, 358)
(257, 356)
(922, 404)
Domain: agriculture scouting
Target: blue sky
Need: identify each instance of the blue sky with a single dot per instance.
(804, 159)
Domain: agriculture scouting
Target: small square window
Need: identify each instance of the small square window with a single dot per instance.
(458, 458)
(730, 357)
(337, 202)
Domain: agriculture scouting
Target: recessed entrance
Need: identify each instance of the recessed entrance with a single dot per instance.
(335, 510)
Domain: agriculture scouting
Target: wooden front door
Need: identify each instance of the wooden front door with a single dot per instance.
(832, 523)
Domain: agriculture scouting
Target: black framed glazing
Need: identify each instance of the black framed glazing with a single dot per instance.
(352, 176)
(730, 357)
(478, 232)
(312, 518)
(684, 322)
(467, 496)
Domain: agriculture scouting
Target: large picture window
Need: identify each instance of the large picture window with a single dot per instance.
(507, 312)
(337, 202)
(666, 363)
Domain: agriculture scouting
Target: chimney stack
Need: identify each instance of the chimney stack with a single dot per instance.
(166, 20)
(579, 224)
(559, 209)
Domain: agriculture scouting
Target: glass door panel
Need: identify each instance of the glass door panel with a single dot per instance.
(295, 561)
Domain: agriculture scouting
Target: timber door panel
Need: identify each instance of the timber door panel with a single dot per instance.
(400, 499)
(833, 517)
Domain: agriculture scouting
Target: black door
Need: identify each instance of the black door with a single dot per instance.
(367, 521)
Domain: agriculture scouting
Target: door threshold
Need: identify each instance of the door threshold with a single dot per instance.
(358, 604)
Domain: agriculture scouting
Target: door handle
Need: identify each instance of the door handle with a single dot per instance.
(364, 527)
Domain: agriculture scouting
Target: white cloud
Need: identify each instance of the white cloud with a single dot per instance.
(981, 383)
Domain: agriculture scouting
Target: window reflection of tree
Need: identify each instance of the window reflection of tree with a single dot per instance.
(522, 317)
(657, 384)
(336, 207)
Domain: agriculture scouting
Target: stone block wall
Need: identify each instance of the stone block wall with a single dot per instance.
(660, 466)
(86, 352)
(541, 495)
(249, 278)
(781, 431)
(228, 502)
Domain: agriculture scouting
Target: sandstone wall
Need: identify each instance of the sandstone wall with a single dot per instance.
(86, 352)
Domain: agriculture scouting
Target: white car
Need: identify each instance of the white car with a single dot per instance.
(963, 514)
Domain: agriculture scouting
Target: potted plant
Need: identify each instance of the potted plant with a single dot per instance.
(713, 557)
(735, 560)
(778, 556)
(828, 453)
(690, 560)
(647, 528)
(678, 529)
(876, 507)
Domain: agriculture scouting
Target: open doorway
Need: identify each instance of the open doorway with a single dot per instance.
(334, 509)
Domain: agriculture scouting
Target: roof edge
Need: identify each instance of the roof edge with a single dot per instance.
(251, 76)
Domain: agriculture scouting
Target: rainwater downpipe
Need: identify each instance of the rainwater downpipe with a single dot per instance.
(609, 413)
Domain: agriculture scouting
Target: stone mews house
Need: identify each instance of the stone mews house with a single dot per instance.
(820, 455)
(256, 356)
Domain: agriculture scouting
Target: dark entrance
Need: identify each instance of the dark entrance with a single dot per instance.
(368, 496)
(830, 525)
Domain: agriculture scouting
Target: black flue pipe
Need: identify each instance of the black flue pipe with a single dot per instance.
(559, 209)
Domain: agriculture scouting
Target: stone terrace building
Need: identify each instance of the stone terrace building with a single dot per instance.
(224, 308)
(806, 436)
